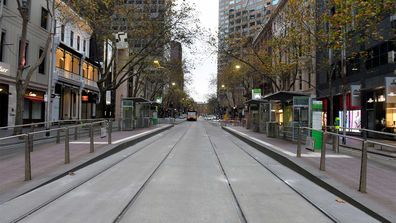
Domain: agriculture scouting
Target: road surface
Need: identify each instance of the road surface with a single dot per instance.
(194, 172)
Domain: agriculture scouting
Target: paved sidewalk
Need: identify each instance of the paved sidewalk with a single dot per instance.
(48, 158)
(343, 169)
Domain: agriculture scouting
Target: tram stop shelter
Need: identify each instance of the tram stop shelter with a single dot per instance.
(138, 113)
(286, 111)
(255, 118)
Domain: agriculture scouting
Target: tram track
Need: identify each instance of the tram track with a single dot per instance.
(240, 212)
(148, 180)
(331, 217)
(43, 205)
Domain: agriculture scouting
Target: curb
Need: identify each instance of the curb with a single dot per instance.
(310, 176)
(111, 149)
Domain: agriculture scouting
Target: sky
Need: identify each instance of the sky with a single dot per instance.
(204, 60)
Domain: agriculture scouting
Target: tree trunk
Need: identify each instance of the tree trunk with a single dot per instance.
(20, 96)
(19, 81)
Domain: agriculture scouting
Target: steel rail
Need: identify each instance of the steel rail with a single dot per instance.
(148, 180)
(241, 215)
(22, 217)
(332, 218)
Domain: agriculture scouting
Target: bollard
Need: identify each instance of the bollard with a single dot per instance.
(28, 166)
(334, 137)
(299, 142)
(91, 136)
(75, 132)
(363, 169)
(58, 134)
(323, 153)
(110, 128)
(67, 146)
(119, 125)
(31, 138)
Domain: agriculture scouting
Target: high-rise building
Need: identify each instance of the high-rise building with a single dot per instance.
(241, 17)
(244, 17)
(141, 20)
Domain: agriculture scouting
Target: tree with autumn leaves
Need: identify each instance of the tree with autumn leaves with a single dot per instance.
(149, 32)
(299, 31)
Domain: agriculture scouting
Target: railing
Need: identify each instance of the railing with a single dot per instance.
(335, 144)
(76, 77)
(28, 139)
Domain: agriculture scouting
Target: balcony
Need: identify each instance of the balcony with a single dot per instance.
(75, 79)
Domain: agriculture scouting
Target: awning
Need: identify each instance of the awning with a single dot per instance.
(35, 99)
(284, 96)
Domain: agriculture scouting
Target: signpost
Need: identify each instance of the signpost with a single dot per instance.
(317, 135)
(256, 94)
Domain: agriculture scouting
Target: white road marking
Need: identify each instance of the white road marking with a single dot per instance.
(309, 154)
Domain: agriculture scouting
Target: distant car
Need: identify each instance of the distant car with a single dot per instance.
(192, 116)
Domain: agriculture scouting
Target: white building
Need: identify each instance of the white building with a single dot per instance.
(76, 91)
(11, 26)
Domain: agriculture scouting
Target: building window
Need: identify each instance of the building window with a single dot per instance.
(63, 33)
(3, 37)
(25, 58)
(4, 2)
(41, 69)
(60, 58)
(44, 18)
(78, 43)
(84, 45)
(71, 38)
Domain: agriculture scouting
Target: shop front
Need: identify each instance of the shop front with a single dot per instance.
(34, 106)
(4, 92)
(88, 104)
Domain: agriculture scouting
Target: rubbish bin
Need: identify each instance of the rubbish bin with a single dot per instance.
(154, 121)
(273, 130)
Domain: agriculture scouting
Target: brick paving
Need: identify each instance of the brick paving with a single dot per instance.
(49, 157)
(345, 169)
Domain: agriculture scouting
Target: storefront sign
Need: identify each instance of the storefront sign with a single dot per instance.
(256, 94)
(4, 68)
(108, 97)
(355, 95)
(84, 98)
(390, 83)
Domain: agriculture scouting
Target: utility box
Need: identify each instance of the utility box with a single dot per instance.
(273, 130)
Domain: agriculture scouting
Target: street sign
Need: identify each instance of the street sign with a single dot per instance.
(158, 100)
(256, 94)
(108, 97)
(317, 136)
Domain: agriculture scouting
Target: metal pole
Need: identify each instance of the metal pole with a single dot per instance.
(67, 148)
(323, 153)
(119, 124)
(363, 169)
(76, 133)
(298, 141)
(338, 140)
(28, 167)
(58, 136)
(110, 128)
(91, 135)
(52, 65)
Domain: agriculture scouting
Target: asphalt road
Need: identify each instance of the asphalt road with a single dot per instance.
(195, 172)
